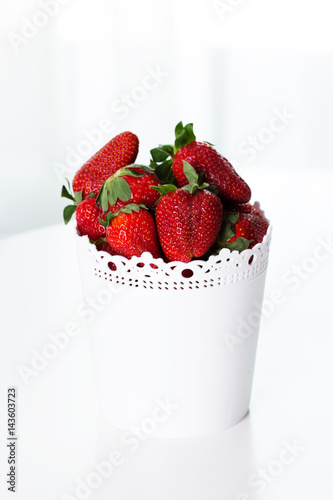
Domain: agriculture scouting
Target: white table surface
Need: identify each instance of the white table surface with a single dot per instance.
(60, 433)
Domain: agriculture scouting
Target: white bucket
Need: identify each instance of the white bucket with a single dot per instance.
(171, 353)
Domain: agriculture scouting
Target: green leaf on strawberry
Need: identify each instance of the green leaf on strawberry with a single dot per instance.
(146, 168)
(121, 190)
(161, 153)
(165, 188)
(76, 198)
(184, 135)
(190, 173)
(239, 244)
(78, 195)
(231, 217)
(98, 242)
(68, 212)
(179, 128)
(129, 170)
(116, 187)
(91, 195)
(131, 207)
(194, 180)
(102, 198)
(133, 173)
(127, 209)
(66, 194)
(164, 171)
(227, 232)
(212, 188)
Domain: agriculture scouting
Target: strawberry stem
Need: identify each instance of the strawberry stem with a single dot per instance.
(163, 155)
(195, 180)
(76, 199)
(127, 209)
(116, 187)
(184, 135)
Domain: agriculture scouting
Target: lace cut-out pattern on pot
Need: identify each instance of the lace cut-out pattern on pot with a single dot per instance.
(149, 274)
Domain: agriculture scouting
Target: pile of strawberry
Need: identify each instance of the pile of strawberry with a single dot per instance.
(188, 203)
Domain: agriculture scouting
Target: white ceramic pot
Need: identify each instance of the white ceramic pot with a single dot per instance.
(174, 353)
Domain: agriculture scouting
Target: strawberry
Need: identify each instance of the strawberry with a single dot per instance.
(205, 159)
(87, 218)
(111, 159)
(243, 227)
(218, 171)
(103, 246)
(122, 150)
(132, 231)
(251, 225)
(247, 208)
(188, 219)
(131, 184)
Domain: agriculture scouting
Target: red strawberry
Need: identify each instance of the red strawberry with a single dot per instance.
(188, 224)
(204, 158)
(130, 184)
(133, 233)
(141, 189)
(114, 156)
(247, 208)
(87, 215)
(243, 227)
(251, 224)
(103, 246)
(218, 171)
(122, 150)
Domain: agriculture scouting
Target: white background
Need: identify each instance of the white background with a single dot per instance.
(229, 65)
(230, 72)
